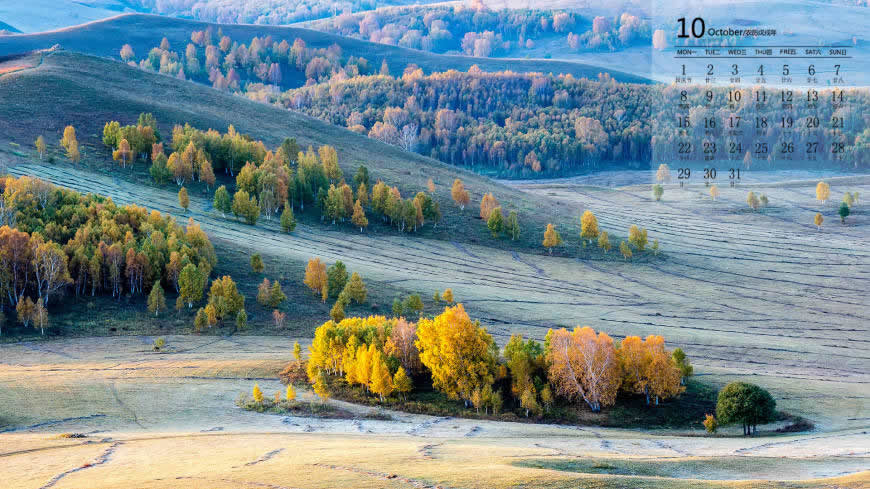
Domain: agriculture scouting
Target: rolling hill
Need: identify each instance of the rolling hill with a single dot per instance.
(105, 37)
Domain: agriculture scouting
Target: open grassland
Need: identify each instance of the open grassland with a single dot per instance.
(761, 295)
(105, 37)
(176, 411)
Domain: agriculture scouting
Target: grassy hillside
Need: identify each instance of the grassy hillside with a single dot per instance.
(86, 92)
(143, 32)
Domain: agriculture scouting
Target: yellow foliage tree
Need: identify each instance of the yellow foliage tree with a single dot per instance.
(183, 199)
(818, 220)
(381, 382)
(625, 250)
(257, 393)
(459, 194)
(714, 192)
(315, 277)
(752, 201)
(823, 192)
(40, 146)
(604, 241)
(460, 353)
(402, 383)
(291, 393)
(552, 238)
(588, 226)
(447, 296)
(583, 365)
(123, 154)
(487, 204)
(637, 237)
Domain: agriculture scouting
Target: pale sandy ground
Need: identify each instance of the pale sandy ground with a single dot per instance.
(763, 297)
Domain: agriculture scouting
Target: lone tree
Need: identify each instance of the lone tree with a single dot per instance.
(156, 299)
(843, 212)
(551, 238)
(752, 200)
(818, 220)
(183, 199)
(657, 191)
(512, 226)
(714, 192)
(40, 146)
(459, 194)
(747, 404)
(637, 237)
(663, 174)
(257, 263)
(823, 192)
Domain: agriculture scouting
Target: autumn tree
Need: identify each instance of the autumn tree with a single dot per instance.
(315, 277)
(714, 192)
(747, 404)
(413, 303)
(401, 345)
(225, 297)
(127, 53)
(355, 289)
(583, 366)
(290, 393)
(430, 186)
(200, 320)
(123, 154)
(447, 296)
(222, 201)
(710, 423)
(818, 220)
(495, 222)
(658, 191)
(752, 200)
(40, 146)
(156, 299)
(257, 263)
(625, 250)
(69, 137)
(183, 199)
(552, 238)
(823, 192)
(191, 281)
(512, 226)
(359, 216)
(588, 226)
(487, 204)
(637, 237)
(459, 194)
(257, 394)
(459, 353)
(245, 206)
(381, 382)
(663, 174)
(604, 241)
(402, 383)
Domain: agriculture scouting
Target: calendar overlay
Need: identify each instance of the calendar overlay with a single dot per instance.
(739, 100)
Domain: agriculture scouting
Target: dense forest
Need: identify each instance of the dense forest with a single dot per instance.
(479, 31)
(525, 124)
(55, 241)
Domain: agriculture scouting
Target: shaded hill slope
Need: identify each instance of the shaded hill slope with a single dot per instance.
(69, 88)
